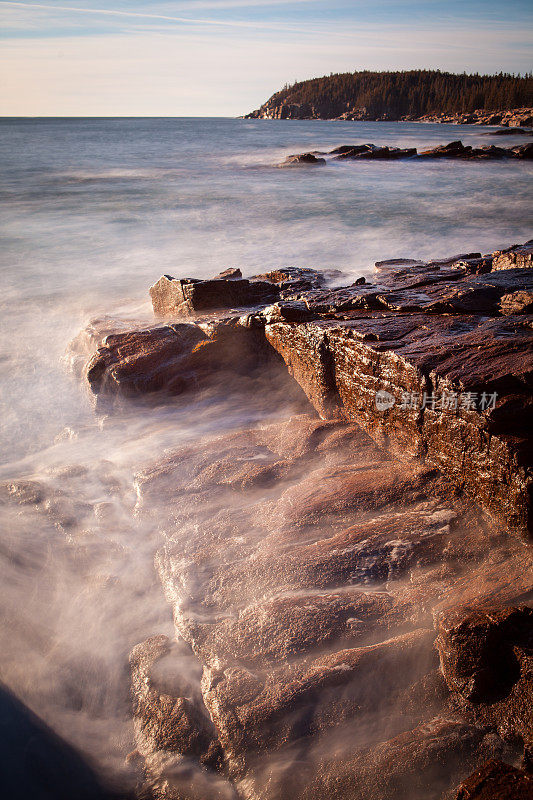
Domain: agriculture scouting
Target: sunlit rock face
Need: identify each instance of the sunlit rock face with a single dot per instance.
(352, 618)
(343, 364)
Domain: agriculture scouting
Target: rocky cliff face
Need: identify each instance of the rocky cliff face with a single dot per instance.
(353, 616)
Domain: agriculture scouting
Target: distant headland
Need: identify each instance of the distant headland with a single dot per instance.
(425, 95)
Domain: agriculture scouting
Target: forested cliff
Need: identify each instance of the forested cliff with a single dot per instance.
(396, 95)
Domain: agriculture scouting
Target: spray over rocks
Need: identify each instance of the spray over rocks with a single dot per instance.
(350, 581)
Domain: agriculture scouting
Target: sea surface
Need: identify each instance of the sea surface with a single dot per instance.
(93, 212)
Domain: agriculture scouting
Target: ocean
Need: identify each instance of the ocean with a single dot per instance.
(94, 212)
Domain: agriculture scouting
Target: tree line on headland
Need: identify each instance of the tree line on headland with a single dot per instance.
(399, 94)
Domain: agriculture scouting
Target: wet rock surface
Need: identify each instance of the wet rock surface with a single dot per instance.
(452, 150)
(448, 342)
(496, 779)
(303, 564)
(302, 158)
(352, 618)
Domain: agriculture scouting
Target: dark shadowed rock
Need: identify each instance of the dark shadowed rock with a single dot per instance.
(228, 274)
(486, 657)
(510, 132)
(302, 159)
(372, 151)
(451, 150)
(476, 649)
(524, 151)
(344, 149)
(496, 780)
(36, 763)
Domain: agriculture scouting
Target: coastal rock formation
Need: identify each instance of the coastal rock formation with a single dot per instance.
(434, 361)
(173, 297)
(186, 297)
(353, 619)
(513, 257)
(454, 150)
(371, 151)
(416, 95)
(511, 118)
(344, 365)
(303, 565)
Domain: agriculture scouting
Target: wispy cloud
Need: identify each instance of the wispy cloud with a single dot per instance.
(111, 12)
(77, 60)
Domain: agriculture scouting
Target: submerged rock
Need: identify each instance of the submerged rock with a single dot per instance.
(302, 159)
(371, 151)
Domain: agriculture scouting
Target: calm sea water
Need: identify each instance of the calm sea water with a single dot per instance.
(93, 212)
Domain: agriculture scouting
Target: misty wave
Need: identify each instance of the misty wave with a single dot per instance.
(78, 548)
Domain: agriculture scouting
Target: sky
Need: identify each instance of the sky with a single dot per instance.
(226, 57)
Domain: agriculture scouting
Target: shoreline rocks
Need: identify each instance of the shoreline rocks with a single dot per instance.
(508, 118)
(353, 620)
(304, 566)
(426, 335)
(452, 150)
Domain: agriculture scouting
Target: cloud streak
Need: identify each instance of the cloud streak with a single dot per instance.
(156, 17)
(146, 63)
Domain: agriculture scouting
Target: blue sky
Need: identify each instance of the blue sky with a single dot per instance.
(225, 57)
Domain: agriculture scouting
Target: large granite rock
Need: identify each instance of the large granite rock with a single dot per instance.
(192, 297)
(186, 297)
(343, 365)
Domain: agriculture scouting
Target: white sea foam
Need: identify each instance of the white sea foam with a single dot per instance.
(96, 211)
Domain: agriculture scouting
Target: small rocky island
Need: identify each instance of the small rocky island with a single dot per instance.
(351, 585)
